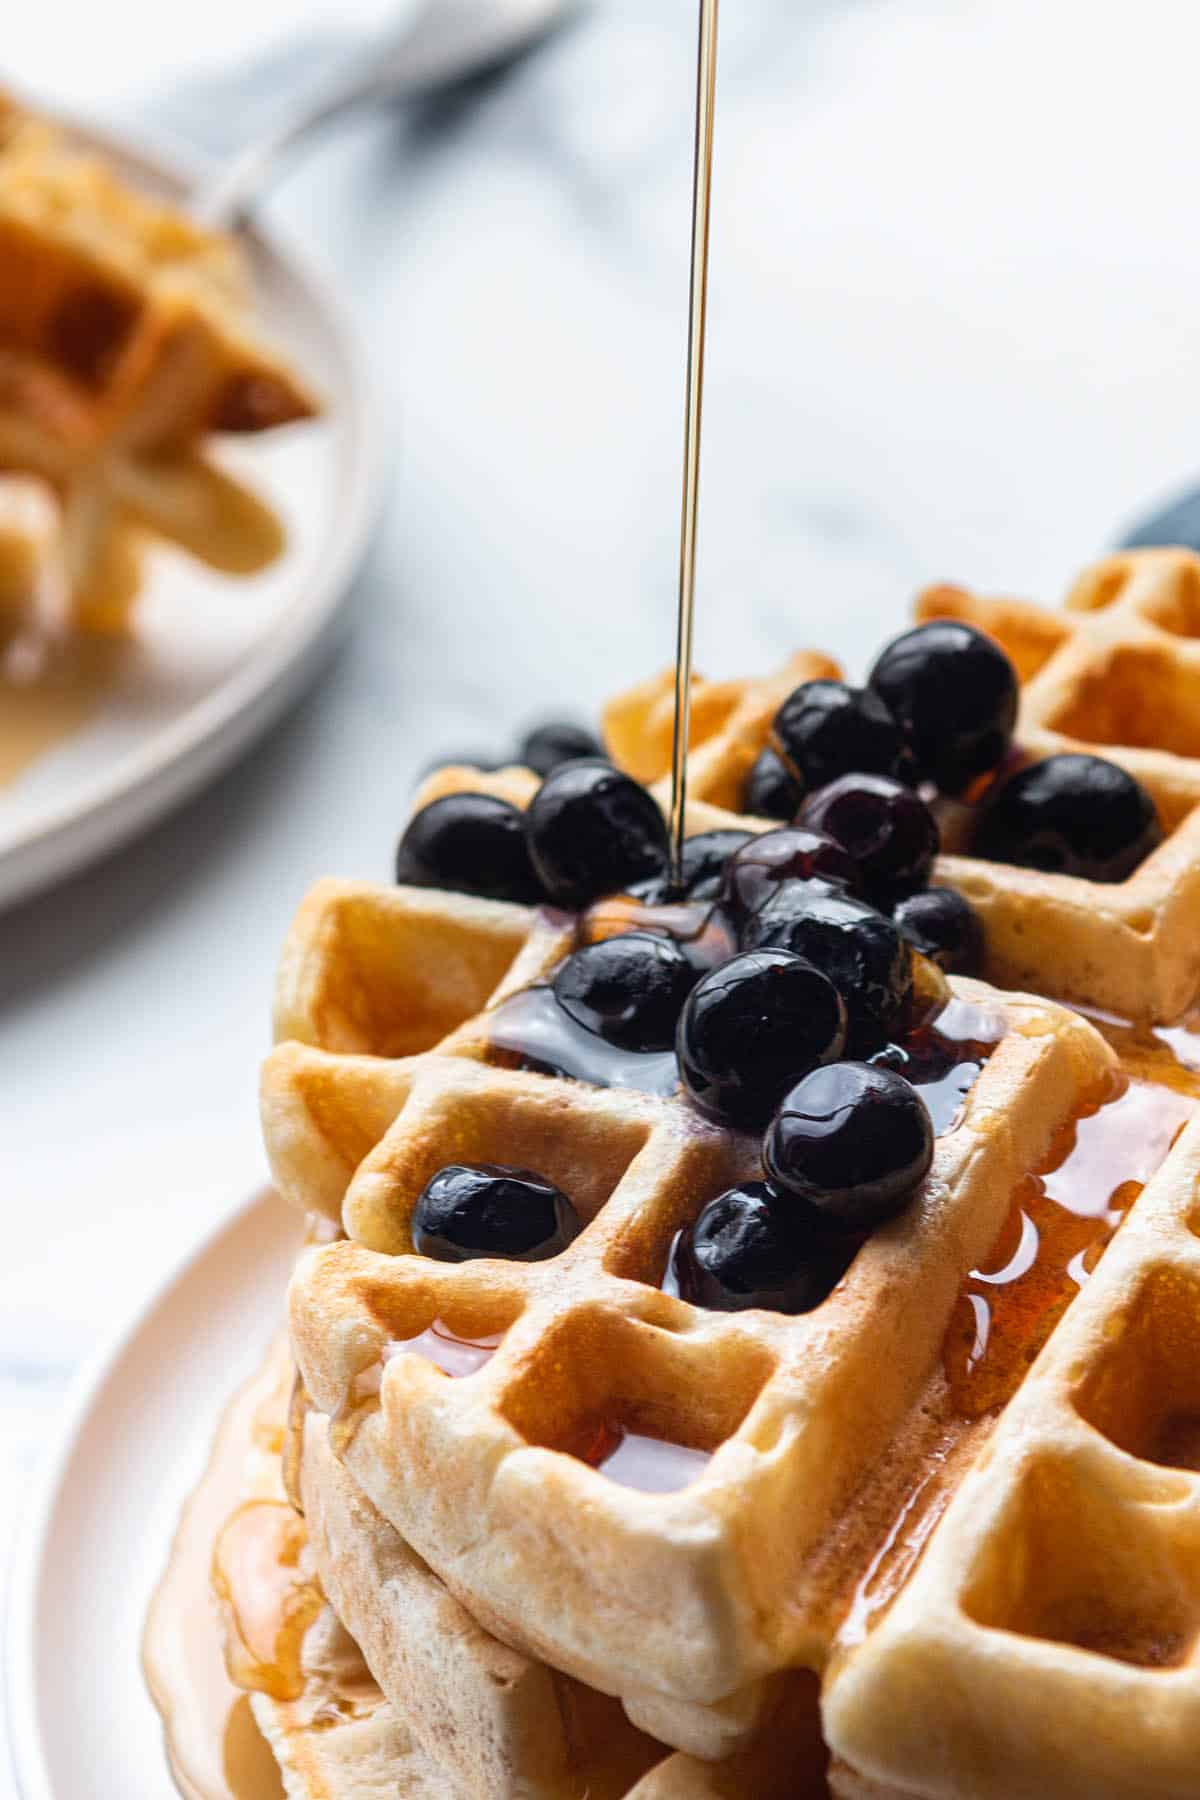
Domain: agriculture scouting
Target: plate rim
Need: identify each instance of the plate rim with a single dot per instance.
(30, 1536)
(179, 758)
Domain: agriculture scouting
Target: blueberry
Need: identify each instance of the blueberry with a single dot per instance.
(944, 927)
(754, 1247)
(750, 1028)
(861, 951)
(826, 729)
(1072, 815)
(557, 741)
(472, 844)
(772, 791)
(886, 828)
(853, 1141)
(592, 831)
(482, 1209)
(793, 853)
(954, 692)
(629, 990)
(704, 860)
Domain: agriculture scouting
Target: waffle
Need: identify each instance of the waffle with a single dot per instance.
(125, 340)
(549, 1554)
(1116, 674)
(333, 1734)
(876, 1491)
(1059, 1600)
(454, 1715)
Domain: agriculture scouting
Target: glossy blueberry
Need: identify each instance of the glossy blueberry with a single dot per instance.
(1072, 815)
(886, 829)
(861, 951)
(954, 692)
(629, 990)
(471, 844)
(944, 927)
(854, 1141)
(772, 791)
(826, 729)
(482, 1209)
(705, 857)
(793, 853)
(754, 1247)
(554, 742)
(750, 1028)
(592, 831)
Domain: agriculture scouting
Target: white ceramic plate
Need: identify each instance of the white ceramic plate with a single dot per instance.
(136, 1441)
(218, 658)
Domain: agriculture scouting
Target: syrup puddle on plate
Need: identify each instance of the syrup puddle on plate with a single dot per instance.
(652, 1465)
(1059, 1224)
(43, 707)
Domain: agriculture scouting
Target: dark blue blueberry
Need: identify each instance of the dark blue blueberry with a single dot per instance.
(853, 1141)
(750, 1028)
(954, 692)
(793, 853)
(753, 1247)
(592, 831)
(944, 927)
(481, 1209)
(861, 951)
(629, 990)
(826, 729)
(555, 742)
(887, 829)
(705, 857)
(772, 791)
(1071, 815)
(471, 844)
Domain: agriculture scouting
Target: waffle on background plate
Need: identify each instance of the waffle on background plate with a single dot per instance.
(590, 1538)
(127, 341)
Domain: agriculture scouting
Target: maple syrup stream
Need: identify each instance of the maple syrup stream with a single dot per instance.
(706, 81)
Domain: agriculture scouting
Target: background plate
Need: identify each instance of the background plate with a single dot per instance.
(217, 658)
(136, 1441)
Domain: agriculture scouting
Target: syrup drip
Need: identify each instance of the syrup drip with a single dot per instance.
(943, 1059)
(530, 1030)
(1058, 1227)
(267, 1596)
(452, 1354)
(653, 1465)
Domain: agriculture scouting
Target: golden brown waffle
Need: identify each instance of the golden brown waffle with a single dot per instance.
(548, 1553)
(453, 1715)
(125, 340)
(837, 1438)
(1047, 1642)
(332, 1733)
(1116, 674)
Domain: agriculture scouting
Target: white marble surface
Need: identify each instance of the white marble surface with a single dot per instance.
(954, 333)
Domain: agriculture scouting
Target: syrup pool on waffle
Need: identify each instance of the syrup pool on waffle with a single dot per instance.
(1061, 1221)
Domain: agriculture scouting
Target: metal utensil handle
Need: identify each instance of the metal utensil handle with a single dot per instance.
(223, 201)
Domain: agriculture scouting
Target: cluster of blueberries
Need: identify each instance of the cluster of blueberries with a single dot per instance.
(783, 1029)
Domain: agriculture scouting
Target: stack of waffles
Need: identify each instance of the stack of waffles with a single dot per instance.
(126, 340)
(549, 1529)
